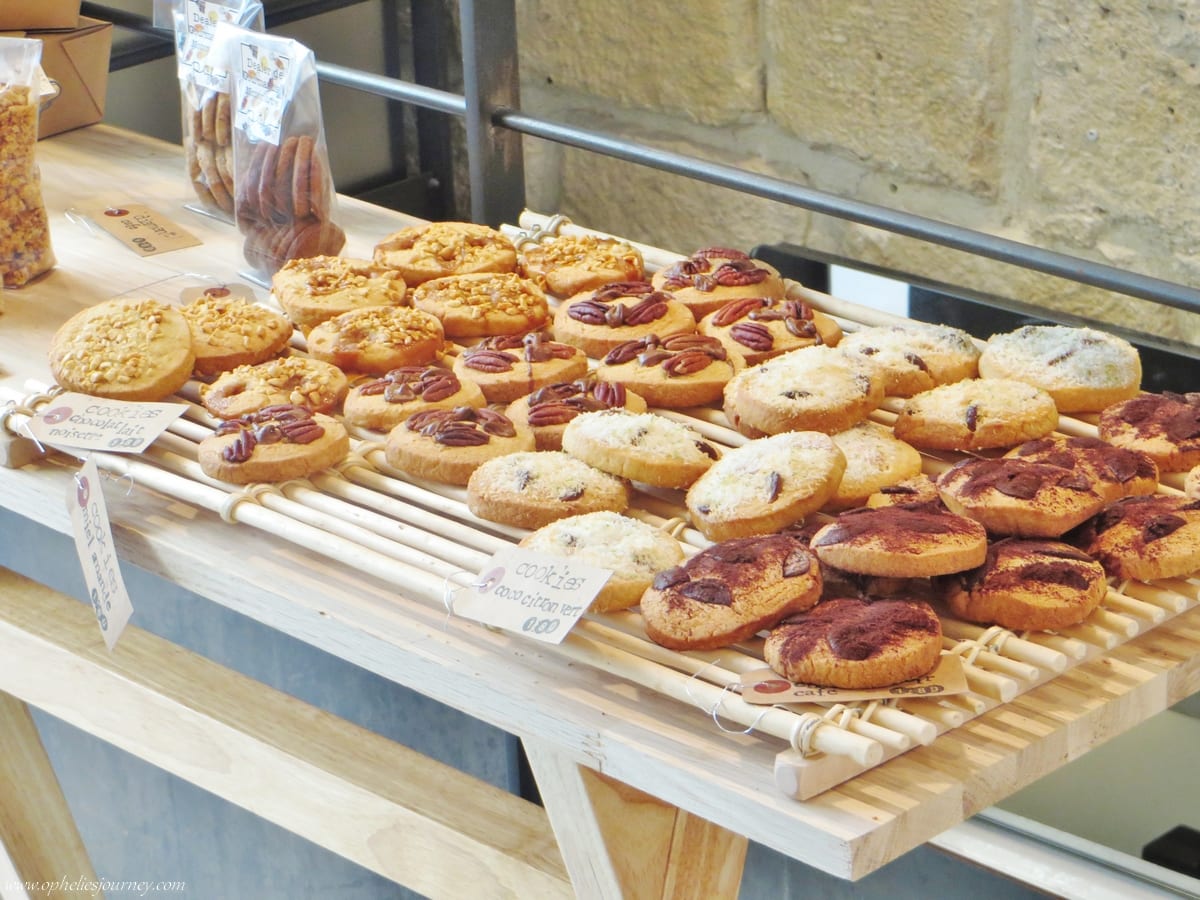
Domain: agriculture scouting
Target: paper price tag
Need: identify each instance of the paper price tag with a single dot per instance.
(140, 228)
(97, 555)
(79, 422)
(531, 594)
(766, 686)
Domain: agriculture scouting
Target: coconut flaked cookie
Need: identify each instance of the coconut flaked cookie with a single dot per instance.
(1115, 471)
(570, 264)
(976, 414)
(600, 320)
(531, 489)
(447, 445)
(377, 339)
(672, 371)
(424, 252)
(276, 443)
(313, 289)
(383, 403)
(229, 331)
(639, 446)
(297, 380)
(473, 306)
(548, 409)
(730, 591)
(875, 459)
(1144, 538)
(762, 327)
(916, 356)
(1165, 426)
(712, 277)
(510, 366)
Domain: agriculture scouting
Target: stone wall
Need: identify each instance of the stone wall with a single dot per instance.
(1067, 124)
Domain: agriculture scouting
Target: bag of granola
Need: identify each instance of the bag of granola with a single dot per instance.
(25, 250)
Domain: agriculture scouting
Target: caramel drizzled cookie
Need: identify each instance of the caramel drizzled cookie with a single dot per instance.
(275, 443)
(509, 366)
(316, 288)
(573, 263)
(447, 445)
(533, 489)
(424, 252)
(548, 409)
(710, 278)
(1027, 586)
(376, 339)
(383, 403)
(858, 645)
(875, 460)
(730, 591)
(641, 447)
(597, 321)
(294, 380)
(1144, 538)
(977, 414)
(673, 371)
(1165, 426)
(1115, 471)
(761, 327)
(914, 356)
(229, 331)
(472, 306)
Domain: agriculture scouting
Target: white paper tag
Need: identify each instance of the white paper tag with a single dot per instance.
(532, 594)
(97, 555)
(79, 422)
(266, 86)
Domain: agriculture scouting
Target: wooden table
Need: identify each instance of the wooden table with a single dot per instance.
(643, 795)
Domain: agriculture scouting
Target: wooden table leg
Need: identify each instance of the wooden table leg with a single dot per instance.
(620, 842)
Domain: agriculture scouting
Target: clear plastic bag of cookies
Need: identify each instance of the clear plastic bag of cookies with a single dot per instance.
(204, 95)
(25, 250)
(285, 205)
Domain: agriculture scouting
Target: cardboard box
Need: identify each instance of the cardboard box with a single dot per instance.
(28, 15)
(77, 62)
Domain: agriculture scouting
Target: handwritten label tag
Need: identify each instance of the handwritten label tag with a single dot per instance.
(532, 594)
(140, 228)
(97, 555)
(766, 686)
(79, 422)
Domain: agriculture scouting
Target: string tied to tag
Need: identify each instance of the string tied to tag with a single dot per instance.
(251, 492)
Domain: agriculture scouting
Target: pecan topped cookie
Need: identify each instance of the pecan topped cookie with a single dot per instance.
(509, 366)
(573, 263)
(447, 445)
(674, 371)
(482, 305)
(762, 327)
(275, 443)
(711, 277)
(597, 321)
(383, 403)
(424, 252)
(548, 409)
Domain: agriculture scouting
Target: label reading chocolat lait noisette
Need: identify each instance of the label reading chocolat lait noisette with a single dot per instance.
(78, 422)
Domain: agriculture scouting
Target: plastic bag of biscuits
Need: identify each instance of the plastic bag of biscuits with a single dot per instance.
(285, 201)
(25, 250)
(204, 95)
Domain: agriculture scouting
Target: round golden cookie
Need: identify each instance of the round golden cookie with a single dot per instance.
(976, 414)
(916, 540)
(424, 252)
(813, 389)
(762, 327)
(633, 551)
(123, 349)
(916, 356)
(510, 366)
(534, 488)
(918, 489)
(447, 445)
(1018, 497)
(230, 331)
(600, 320)
(710, 278)
(730, 591)
(294, 380)
(1028, 585)
(639, 446)
(875, 459)
(1115, 471)
(1145, 538)
(855, 644)
(1164, 426)
(383, 403)
(276, 443)
(673, 371)
(471, 306)
(765, 485)
(314, 289)
(376, 339)
(570, 264)
(548, 409)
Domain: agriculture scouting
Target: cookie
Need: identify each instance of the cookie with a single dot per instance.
(532, 489)
(762, 327)
(276, 443)
(447, 445)
(473, 306)
(600, 320)
(730, 591)
(914, 356)
(510, 366)
(1191, 483)
(424, 252)
(765, 485)
(710, 278)
(814, 389)
(915, 540)
(1164, 426)
(573, 263)
(918, 489)
(314, 289)
(673, 371)
(641, 447)
(633, 551)
(124, 349)
(376, 339)
(294, 380)
(875, 459)
(230, 331)
(857, 645)
(268, 246)
(1084, 370)
(1115, 472)
(1028, 585)
(383, 403)
(548, 409)
(977, 414)
(1144, 538)
(1013, 496)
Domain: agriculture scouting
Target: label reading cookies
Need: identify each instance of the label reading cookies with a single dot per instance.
(141, 229)
(766, 687)
(97, 555)
(531, 594)
(78, 422)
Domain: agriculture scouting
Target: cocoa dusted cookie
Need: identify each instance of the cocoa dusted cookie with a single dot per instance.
(855, 644)
(510, 366)
(275, 443)
(710, 278)
(614, 313)
(548, 409)
(229, 331)
(534, 488)
(1014, 496)
(376, 339)
(977, 414)
(474, 306)
(424, 252)
(641, 447)
(875, 460)
(383, 403)
(761, 327)
(316, 288)
(447, 445)
(295, 380)
(918, 489)
(1144, 538)
(673, 371)
(730, 591)
(573, 263)
(1028, 585)
(914, 356)
(1115, 471)
(1165, 426)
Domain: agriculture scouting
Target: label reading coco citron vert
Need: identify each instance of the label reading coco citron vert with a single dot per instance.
(97, 555)
(140, 228)
(78, 422)
(766, 686)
